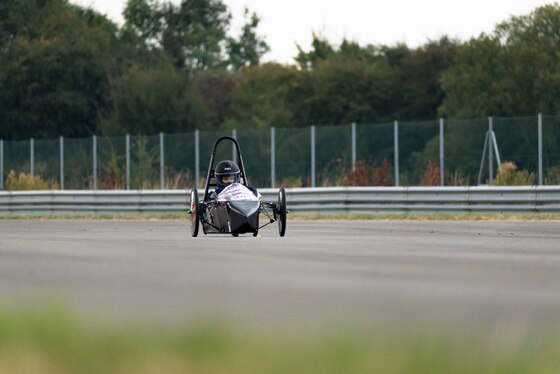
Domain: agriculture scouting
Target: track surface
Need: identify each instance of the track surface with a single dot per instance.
(499, 275)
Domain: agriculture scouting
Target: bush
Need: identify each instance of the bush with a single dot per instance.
(27, 182)
(368, 175)
(431, 176)
(510, 176)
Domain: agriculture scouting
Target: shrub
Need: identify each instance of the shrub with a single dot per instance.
(510, 176)
(27, 182)
(431, 176)
(368, 175)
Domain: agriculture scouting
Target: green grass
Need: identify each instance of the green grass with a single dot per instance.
(52, 341)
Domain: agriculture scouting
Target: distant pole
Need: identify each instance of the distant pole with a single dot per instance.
(540, 145)
(127, 161)
(441, 153)
(62, 163)
(94, 146)
(272, 157)
(313, 177)
(396, 148)
(161, 161)
(1, 164)
(32, 157)
(490, 150)
(354, 151)
(196, 157)
(233, 135)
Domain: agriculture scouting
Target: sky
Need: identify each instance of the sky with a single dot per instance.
(288, 23)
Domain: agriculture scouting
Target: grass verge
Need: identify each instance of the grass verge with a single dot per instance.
(312, 216)
(52, 341)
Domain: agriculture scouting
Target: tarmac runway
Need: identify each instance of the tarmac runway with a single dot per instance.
(449, 274)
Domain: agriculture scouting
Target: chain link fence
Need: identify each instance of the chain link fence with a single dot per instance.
(443, 153)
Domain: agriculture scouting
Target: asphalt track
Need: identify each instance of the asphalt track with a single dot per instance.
(497, 275)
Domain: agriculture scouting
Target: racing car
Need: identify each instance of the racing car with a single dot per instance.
(232, 206)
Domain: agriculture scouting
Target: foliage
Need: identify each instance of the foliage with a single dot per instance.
(27, 182)
(144, 161)
(368, 174)
(54, 69)
(513, 71)
(431, 176)
(510, 176)
(147, 101)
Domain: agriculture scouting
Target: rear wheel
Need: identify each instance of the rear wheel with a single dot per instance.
(282, 212)
(195, 214)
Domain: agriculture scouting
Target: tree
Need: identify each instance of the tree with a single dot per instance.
(249, 49)
(54, 62)
(148, 101)
(513, 71)
(193, 34)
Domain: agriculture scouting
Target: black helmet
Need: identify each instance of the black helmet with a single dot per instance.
(227, 170)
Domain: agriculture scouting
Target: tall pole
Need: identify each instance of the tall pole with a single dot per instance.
(161, 160)
(396, 148)
(490, 151)
(441, 153)
(127, 161)
(313, 177)
(540, 145)
(354, 151)
(31, 157)
(1, 164)
(233, 135)
(196, 157)
(62, 163)
(94, 146)
(272, 157)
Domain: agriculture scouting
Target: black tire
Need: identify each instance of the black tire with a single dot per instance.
(195, 213)
(282, 212)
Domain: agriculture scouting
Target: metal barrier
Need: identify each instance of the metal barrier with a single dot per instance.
(335, 200)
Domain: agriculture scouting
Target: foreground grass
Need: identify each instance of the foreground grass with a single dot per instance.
(311, 216)
(54, 342)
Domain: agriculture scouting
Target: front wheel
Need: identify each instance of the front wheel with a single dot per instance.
(282, 212)
(194, 213)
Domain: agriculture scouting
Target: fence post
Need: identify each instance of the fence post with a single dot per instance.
(127, 161)
(62, 163)
(233, 135)
(94, 145)
(196, 157)
(161, 161)
(1, 164)
(540, 129)
(441, 153)
(31, 157)
(272, 157)
(396, 142)
(490, 151)
(354, 151)
(313, 177)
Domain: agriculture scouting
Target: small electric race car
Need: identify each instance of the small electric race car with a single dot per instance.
(234, 206)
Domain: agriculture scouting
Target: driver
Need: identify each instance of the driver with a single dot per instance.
(226, 173)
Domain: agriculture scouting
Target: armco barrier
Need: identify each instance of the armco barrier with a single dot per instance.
(328, 200)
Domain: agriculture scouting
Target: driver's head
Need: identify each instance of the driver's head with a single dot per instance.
(226, 173)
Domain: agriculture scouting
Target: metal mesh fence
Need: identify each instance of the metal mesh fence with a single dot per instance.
(362, 154)
(16, 159)
(78, 164)
(551, 150)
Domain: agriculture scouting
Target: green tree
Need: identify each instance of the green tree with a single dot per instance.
(55, 60)
(513, 71)
(264, 97)
(249, 49)
(147, 101)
